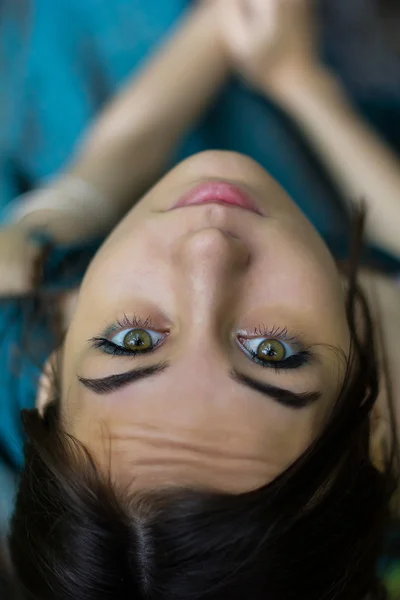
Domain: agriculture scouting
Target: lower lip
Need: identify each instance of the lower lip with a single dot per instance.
(219, 193)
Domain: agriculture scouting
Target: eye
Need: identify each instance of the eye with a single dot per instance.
(268, 350)
(137, 340)
(129, 342)
(273, 352)
(129, 336)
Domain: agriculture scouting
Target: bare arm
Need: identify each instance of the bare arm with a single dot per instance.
(273, 45)
(124, 150)
(362, 165)
(128, 146)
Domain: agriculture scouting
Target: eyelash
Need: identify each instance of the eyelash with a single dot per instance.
(125, 322)
(293, 362)
(299, 359)
(275, 332)
(280, 333)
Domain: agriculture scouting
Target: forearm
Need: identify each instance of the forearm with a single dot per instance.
(131, 142)
(362, 165)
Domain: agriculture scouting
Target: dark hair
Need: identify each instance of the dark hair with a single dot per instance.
(314, 533)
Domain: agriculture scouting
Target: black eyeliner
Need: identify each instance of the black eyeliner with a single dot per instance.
(115, 350)
(293, 362)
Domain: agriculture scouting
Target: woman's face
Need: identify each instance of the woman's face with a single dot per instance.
(203, 350)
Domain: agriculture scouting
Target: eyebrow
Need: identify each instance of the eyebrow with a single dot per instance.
(281, 395)
(107, 385)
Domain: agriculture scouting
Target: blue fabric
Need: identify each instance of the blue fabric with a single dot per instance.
(19, 374)
(26, 342)
(66, 59)
(17, 392)
(59, 63)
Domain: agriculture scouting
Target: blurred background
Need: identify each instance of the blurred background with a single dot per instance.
(61, 61)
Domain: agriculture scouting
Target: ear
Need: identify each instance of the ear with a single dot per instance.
(379, 439)
(46, 388)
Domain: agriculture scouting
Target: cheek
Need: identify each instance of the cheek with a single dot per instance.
(293, 286)
(122, 275)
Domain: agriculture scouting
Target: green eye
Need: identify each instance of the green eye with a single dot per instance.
(138, 340)
(130, 342)
(271, 351)
(274, 353)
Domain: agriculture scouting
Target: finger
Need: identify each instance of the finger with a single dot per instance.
(16, 269)
(250, 20)
(234, 21)
(15, 284)
(265, 16)
(261, 8)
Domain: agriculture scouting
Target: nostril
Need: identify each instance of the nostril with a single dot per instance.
(210, 241)
(231, 235)
(215, 248)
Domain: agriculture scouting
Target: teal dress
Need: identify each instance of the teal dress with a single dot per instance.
(60, 61)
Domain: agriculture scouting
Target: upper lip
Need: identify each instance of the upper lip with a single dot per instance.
(219, 191)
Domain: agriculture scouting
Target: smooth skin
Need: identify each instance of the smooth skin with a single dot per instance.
(204, 276)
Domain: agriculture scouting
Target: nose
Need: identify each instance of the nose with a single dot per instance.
(213, 253)
(211, 262)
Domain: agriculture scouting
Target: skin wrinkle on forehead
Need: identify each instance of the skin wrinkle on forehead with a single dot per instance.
(194, 467)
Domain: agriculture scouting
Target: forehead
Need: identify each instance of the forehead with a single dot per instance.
(194, 432)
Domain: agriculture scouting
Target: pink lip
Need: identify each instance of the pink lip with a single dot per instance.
(219, 192)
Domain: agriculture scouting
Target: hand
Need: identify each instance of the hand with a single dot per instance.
(18, 257)
(268, 40)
